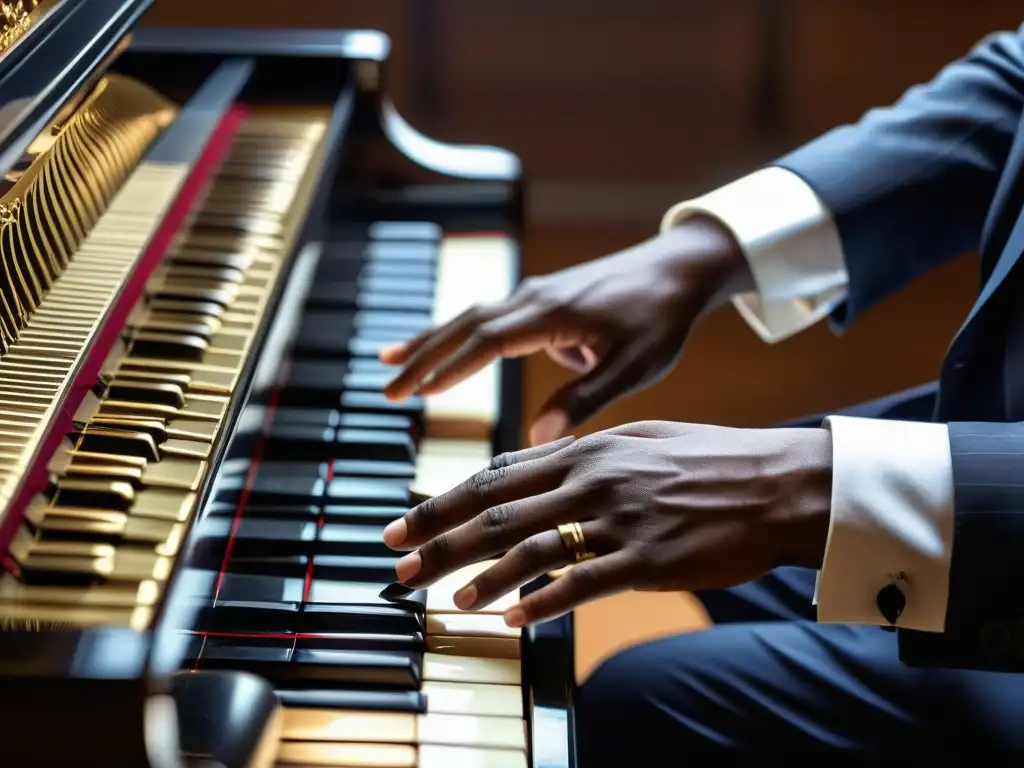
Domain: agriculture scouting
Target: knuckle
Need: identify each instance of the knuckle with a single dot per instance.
(483, 481)
(438, 550)
(583, 579)
(498, 519)
(531, 552)
(426, 515)
(502, 460)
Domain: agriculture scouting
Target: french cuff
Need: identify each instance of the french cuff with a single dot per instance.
(892, 523)
(791, 242)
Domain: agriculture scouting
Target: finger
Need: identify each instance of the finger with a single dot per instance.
(578, 359)
(583, 583)
(495, 530)
(439, 345)
(570, 406)
(485, 489)
(397, 354)
(520, 334)
(529, 559)
(528, 454)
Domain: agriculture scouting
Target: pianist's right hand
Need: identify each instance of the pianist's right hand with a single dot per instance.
(620, 321)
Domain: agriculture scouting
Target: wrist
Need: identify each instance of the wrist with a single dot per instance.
(703, 252)
(806, 501)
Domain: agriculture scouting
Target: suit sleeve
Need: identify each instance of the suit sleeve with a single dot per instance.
(909, 185)
(985, 611)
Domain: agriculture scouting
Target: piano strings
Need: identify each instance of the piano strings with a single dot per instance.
(100, 546)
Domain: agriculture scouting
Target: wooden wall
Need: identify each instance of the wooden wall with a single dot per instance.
(619, 109)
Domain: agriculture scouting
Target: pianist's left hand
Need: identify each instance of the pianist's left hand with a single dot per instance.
(662, 506)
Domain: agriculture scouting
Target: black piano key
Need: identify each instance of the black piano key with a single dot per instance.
(356, 468)
(375, 445)
(303, 485)
(381, 619)
(371, 322)
(367, 491)
(338, 295)
(329, 417)
(376, 402)
(287, 566)
(356, 540)
(388, 670)
(350, 641)
(268, 536)
(220, 509)
(376, 570)
(356, 347)
(413, 702)
(403, 596)
(317, 443)
(332, 592)
(335, 376)
(347, 268)
(269, 658)
(405, 230)
(362, 515)
(246, 588)
(319, 417)
(300, 441)
(249, 616)
(191, 649)
(307, 512)
(256, 536)
(394, 250)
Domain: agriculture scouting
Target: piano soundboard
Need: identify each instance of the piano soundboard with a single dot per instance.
(207, 237)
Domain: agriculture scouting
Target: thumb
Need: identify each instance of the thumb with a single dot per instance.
(579, 400)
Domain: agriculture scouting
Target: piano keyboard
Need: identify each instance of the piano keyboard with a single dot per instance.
(295, 527)
(293, 534)
(98, 548)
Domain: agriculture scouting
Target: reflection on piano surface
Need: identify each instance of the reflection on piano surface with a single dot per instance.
(206, 239)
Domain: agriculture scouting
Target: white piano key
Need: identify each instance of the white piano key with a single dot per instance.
(473, 699)
(470, 270)
(466, 669)
(443, 464)
(440, 594)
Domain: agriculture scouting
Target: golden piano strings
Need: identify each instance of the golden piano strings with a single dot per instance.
(16, 20)
(98, 548)
(53, 206)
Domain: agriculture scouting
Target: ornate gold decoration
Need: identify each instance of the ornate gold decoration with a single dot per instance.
(16, 19)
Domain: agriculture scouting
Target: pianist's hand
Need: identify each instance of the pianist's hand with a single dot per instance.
(620, 321)
(663, 506)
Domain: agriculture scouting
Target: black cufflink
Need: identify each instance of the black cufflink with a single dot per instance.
(891, 601)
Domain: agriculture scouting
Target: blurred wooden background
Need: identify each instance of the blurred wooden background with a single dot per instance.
(619, 109)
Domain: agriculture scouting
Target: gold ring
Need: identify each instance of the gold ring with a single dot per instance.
(572, 538)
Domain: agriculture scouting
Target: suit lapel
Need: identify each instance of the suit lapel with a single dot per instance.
(1004, 213)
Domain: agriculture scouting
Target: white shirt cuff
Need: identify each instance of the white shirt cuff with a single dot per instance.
(791, 243)
(892, 521)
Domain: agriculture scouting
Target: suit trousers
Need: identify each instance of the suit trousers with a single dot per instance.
(767, 680)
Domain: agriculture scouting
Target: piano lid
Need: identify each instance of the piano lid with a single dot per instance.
(50, 50)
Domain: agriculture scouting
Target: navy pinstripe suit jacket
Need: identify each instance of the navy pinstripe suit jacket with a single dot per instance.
(911, 186)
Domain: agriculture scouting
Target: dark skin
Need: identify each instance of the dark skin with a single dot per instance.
(663, 505)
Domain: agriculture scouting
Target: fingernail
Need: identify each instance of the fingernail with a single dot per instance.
(465, 597)
(408, 567)
(515, 618)
(548, 427)
(396, 532)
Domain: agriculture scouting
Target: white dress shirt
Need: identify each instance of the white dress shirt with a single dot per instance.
(892, 487)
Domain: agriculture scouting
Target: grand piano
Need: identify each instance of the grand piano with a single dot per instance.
(206, 238)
